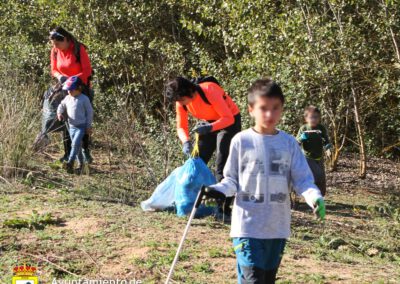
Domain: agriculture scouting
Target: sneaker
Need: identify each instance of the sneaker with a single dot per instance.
(87, 158)
(69, 166)
(64, 159)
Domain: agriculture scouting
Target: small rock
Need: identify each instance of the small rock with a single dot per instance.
(372, 251)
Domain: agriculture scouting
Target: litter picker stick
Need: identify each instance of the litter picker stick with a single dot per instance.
(196, 205)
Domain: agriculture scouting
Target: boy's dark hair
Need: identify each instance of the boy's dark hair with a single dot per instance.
(178, 88)
(264, 88)
(311, 109)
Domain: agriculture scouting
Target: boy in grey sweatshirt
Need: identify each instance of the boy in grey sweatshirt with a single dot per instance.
(263, 162)
(80, 117)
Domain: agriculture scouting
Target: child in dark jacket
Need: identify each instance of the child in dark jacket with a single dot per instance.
(314, 139)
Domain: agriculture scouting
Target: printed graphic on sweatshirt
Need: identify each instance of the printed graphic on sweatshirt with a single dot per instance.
(279, 166)
(279, 162)
(253, 177)
(253, 167)
(277, 189)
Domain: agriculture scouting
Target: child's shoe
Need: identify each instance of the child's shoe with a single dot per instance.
(69, 166)
(87, 158)
(64, 158)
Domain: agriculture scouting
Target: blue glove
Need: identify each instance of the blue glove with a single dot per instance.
(187, 148)
(328, 146)
(303, 137)
(203, 128)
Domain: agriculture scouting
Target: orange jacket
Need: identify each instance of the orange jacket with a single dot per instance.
(65, 63)
(220, 110)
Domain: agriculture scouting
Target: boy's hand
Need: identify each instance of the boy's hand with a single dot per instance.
(303, 137)
(211, 193)
(319, 208)
(89, 131)
(60, 117)
(203, 128)
(187, 148)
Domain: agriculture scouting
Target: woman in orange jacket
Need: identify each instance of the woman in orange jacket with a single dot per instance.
(69, 58)
(206, 101)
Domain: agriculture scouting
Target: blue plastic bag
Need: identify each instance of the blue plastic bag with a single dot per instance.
(164, 195)
(192, 176)
(180, 188)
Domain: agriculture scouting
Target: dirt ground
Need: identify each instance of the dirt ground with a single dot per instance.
(101, 238)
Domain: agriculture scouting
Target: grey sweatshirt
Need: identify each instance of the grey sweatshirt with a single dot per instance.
(259, 171)
(79, 110)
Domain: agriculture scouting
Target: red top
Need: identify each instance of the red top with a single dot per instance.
(65, 63)
(220, 110)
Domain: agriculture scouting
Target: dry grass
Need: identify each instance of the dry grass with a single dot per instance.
(103, 234)
(19, 123)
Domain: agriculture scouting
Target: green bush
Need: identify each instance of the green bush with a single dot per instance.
(318, 51)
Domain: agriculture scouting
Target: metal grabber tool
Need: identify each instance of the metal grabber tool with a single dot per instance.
(195, 207)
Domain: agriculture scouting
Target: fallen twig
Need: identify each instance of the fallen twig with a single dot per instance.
(5, 180)
(20, 169)
(54, 264)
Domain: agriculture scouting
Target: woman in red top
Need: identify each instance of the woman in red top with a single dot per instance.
(209, 102)
(69, 58)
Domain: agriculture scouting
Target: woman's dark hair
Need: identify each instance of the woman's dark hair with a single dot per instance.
(311, 109)
(264, 88)
(65, 33)
(178, 88)
(59, 34)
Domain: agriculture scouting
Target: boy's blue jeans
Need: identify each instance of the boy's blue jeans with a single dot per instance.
(258, 259)
(76, 133)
